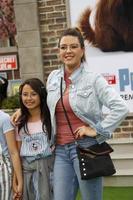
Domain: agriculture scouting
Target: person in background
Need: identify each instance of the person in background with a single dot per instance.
(34, 140)
(84, 94)
(9, 155)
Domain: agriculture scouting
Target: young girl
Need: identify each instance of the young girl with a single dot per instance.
(9, 155)
(34, 137)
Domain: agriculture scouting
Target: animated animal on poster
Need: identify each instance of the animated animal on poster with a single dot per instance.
(113, 25)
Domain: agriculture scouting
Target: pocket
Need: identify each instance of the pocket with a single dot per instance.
(86, 101)
(85, 97)
(84, 93)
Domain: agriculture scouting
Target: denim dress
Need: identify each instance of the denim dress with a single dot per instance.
(37, 163)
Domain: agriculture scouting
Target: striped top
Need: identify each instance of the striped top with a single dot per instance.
(64, 134)
(35, 144)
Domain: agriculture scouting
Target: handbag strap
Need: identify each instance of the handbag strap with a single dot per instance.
(65, 112)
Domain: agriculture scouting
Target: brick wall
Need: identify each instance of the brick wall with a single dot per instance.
(53, 20)
(125, 130)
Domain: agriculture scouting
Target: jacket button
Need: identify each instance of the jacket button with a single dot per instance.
(72, 86)
(85, 94)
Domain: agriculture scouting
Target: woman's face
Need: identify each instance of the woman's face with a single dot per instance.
(30, 98)
(70, 52)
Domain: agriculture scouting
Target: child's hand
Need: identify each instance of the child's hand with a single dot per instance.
(17, 188)
(17, 196)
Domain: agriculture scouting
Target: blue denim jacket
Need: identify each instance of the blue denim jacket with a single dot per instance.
(87, 95)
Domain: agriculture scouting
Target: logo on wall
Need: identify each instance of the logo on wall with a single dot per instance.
(111, 78)
(126, 79)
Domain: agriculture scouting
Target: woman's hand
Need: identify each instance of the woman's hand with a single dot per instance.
(15, 117)
(85, 130)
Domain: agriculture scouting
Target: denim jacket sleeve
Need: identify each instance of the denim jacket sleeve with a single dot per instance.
(117, 108)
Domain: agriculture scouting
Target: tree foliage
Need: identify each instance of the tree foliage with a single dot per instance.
(7, 20)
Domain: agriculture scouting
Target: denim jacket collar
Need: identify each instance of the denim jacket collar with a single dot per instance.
(75, 75)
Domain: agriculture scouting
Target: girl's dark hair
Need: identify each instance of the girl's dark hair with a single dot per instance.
(3, 89)
(40, 89)
(75, 32)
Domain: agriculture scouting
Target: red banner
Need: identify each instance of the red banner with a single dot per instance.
(8, 62)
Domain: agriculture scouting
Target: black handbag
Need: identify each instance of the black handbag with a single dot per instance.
(95, 160)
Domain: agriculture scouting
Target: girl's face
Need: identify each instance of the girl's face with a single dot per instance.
(70, 52)
(30, 98)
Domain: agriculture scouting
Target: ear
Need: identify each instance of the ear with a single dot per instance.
(83, 54)
(58, 53)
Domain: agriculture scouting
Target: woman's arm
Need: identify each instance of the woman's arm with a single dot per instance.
(118, 109)
(14, 153)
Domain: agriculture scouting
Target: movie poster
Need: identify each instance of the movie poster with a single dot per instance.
(116, 66)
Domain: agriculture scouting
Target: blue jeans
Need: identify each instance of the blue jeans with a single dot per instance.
(67, 177)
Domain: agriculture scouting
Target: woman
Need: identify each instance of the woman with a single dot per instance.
(84, 94)
(9, 155)
(34, 135)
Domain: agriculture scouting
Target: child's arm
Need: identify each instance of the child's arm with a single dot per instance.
(14, 153)
(16, 195)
